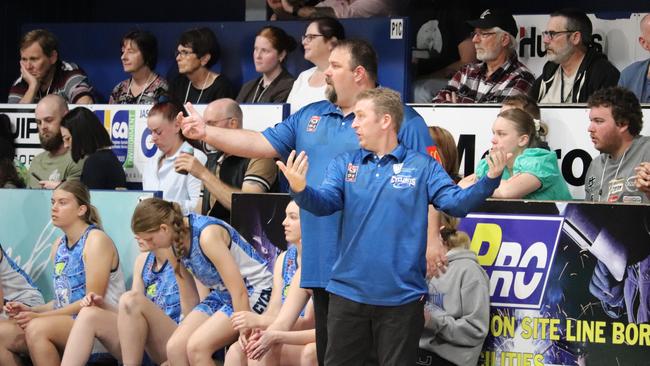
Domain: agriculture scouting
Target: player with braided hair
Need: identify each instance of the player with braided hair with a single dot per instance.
(229, 276)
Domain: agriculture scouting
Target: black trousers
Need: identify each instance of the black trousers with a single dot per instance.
(428, 358)
(356, 330)
(321, 300)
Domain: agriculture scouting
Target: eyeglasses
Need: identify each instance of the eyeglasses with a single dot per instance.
(215, 123)
(183, 53)
(551, 34)
(483, 35)
(310, 37)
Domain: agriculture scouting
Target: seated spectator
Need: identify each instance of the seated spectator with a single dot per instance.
(9, 174)
(616, 121)
(457, 311)
(446, 152)
(272, 45)
(320, 37)
(139, 58)
(499, 73)
(528, 105)
(441, 43)
(224, 174)
(55, 165)
(89, 144)
(531, 172)
(43, 73)
(575, 69)
(294, 345)
(636, 77)
(342, 8)
(196, 52)
(160, 173)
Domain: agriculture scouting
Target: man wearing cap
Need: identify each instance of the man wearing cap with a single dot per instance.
(499, 73)
(575, 69)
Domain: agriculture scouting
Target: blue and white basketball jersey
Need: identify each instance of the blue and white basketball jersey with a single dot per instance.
(161, 288)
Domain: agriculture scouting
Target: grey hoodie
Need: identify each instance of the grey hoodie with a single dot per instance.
(458, 309)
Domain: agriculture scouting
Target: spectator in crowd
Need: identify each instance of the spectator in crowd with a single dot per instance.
(154, 284)
(230, 276)
(55, 164)
(376, 302)
(85, 260)
(615, 130)
(43, 73)
(532, 172)
(295, 347)
(160, 172)
(225, 174)
(89, 144)
(618, 174)
(9, 174)
(15, 286)
(139, 58)
(320, 37)
(457, 310)
(636, 77)
(528, 105)
(446, 151)
(323, 130)
(441, 44)
(196, 52)
(272, 45)
(342, 8)
(575, 69)
(499, 73)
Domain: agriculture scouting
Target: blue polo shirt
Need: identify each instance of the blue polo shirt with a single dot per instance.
(385, 204)
(323, 132)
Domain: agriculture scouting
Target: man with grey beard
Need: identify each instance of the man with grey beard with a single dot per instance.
(499, 73)
(53, 166)
(575, 68)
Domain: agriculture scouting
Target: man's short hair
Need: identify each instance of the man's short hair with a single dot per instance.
(203, 42)
(525, 102)
(578, 21)
(386, 101)
(45, 39)
(624, 105)
(361, 54)
(147, 44)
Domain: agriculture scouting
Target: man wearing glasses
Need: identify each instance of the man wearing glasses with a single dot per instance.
(224, 174)
(499, 73)
(575, 69)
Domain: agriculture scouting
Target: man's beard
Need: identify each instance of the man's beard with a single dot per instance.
(330, 93)
(52, 143)
(561, 55)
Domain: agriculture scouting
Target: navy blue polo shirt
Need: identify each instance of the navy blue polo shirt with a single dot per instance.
(384, 202)
(323, 132)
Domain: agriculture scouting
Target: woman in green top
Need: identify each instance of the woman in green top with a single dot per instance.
(532, 172)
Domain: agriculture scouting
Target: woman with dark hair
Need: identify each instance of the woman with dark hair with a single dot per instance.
(320, 37)
(531, 172)
(272, 45)
(197, 51)
(139, 58)
(160, 172)
(9, 175)
(86, 138)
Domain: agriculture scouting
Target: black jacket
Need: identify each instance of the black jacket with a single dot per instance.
(595, 72)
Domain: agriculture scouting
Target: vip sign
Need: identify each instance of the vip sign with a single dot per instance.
(517, 252)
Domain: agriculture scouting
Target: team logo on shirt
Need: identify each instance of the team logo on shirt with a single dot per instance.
(351, 175)
(152, 290)
(400, 181)
(313, 123)
(397, 168)
(58, 268)
(630, 184)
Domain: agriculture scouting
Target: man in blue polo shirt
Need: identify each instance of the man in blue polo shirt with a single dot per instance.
(323, 130)
(378, 281)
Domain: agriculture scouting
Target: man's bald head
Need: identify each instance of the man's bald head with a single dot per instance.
(225, 113)
(49, 113)
(644, 38)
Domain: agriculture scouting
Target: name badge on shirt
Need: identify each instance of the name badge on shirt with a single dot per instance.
(615, 189)
(313, 123)
(351, 175)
